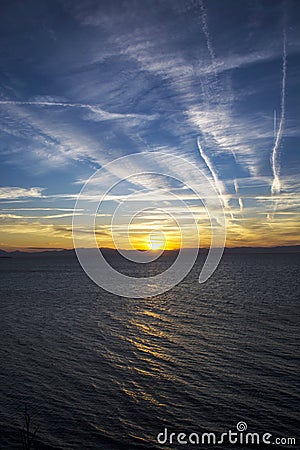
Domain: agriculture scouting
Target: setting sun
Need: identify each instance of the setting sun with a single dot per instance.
(157, 241)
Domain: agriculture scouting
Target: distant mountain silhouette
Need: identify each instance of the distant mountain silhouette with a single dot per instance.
(111, 252)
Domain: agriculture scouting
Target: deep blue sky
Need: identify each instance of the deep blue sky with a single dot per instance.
(84, 82)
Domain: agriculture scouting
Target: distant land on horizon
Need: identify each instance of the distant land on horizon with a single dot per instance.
(110, 251)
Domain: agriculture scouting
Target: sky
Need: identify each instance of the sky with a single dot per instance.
(214, 81)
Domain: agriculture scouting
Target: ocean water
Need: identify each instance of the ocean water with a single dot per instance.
(98, 371)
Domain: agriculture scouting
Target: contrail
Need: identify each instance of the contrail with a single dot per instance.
(206, 33)
(217, 182)
(275, 189)
(210, 166)
(215, 85)
(106, 115)
(240, 200)
(46, 103)
(275, 125)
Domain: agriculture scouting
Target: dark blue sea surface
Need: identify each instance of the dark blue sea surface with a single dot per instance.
(98, 371)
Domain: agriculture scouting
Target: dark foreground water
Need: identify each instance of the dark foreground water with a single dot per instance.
(98, 371)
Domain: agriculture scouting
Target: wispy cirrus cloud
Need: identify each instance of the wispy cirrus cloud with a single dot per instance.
(15, 192)
(117, 82)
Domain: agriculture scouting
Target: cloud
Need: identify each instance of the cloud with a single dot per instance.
(27, 217)
(133, 82)
(38, 209)
(218, 184)
(18, 192)
(275, 189)
(100, 113)
(240, 200)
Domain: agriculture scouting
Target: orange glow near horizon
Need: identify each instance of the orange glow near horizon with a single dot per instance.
(34, 236)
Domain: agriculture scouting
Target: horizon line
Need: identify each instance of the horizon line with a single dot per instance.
(34, 250)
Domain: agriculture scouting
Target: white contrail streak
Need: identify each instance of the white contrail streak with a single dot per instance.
(210, 167)
(41, 103)
(241, 204)
(240, 200)
(275, 189)
(206, 33)
(105, 115)
(215, 87)
(218, 183)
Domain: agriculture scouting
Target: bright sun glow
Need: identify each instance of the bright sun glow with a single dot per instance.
(156, 241)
